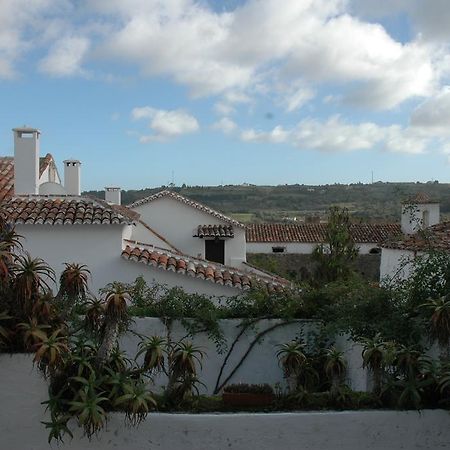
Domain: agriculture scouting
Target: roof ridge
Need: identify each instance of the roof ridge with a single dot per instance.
(189, 202)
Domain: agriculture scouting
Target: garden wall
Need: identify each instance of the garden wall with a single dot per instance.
(261, 364)
(301, 267)
(22, 389)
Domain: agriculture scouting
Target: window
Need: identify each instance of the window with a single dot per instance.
(215, 250)
(278, 249)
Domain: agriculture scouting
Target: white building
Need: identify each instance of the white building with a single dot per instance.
(422, 232)
(305, 237)
(60, 226)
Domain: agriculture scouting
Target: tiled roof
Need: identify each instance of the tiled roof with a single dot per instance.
(419, 199)
(436, 237)
(7, 173)
(188, 202)
(214, 231)
(312, 232)
(66, 210)
(198, 268)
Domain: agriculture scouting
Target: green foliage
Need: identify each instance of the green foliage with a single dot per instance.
(245, 388)
(335, 255)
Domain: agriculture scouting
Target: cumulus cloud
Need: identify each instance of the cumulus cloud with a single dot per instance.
(225, 125)
(165, 124)
(65, 57)
(228, 53)
(336, 135)
(433, 115)
(23, 27)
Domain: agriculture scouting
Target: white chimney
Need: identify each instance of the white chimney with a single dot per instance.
(72, 176)
(26, 161)
(113, 195)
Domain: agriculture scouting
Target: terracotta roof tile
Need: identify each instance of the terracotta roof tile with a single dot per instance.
(315, 233)
(419, 199)
(188, 202)
(198, 268)
(214, 231)
(61, 211)
(436, 237)
(7, 173)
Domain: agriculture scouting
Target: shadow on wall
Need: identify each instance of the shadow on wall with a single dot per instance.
(297, 267)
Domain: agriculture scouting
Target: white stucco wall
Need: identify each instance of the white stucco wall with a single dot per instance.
(178, 223)
(392, 265)
(100, 247)
(97, 246)
(413, 215)
(49, 174)
(303, 248)
(22, 390)
(142, 234)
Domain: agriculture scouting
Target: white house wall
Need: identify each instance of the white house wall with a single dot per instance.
(100, 247)
(142, 234)
(291, 247)
(393, 265)
(178, 223)
(49, 174)
(302, 248)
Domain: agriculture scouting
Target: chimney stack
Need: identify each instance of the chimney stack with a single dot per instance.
(26, 161)
(72, 176)
(113, 195)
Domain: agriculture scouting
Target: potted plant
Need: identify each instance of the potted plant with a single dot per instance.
(243, 394)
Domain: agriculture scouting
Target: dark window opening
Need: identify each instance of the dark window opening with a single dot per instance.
(375, 251)
(278, 249)
(215, 250)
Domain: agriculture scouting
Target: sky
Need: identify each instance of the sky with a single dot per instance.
(209, 92)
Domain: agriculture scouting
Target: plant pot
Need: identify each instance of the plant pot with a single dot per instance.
(246, 399)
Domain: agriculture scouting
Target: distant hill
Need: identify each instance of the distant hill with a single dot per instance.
(377, 202)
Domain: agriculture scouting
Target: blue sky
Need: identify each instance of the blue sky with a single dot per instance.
(226, 92)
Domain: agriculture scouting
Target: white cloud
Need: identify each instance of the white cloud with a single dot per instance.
(23, 27)
(65, 57)
(228, 53)
(336, 135)
(225, 125)
(165, 124)
(433, 115)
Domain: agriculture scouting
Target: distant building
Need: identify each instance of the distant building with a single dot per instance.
(303, 238)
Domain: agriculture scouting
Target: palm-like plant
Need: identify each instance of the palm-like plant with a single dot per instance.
(88, 408)
(292, 358)
(335, 367)
(44, 308)
(440, 323)
(137, 401)
(5, 332)
(184, 358)
(94, 312)
(51, 351)
(31, 277)
(32, 332)
(115, 313)
(153, 350)
(373, 358)
(74, 281)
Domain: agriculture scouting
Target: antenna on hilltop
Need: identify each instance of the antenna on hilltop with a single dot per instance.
(372, 176)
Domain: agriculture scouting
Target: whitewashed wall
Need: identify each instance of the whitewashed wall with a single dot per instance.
(143, 234)
(412, 216)
(392, 264)
(100, 247)
(303, 248)
(22, 390)
(178, 223)
(261, 365)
